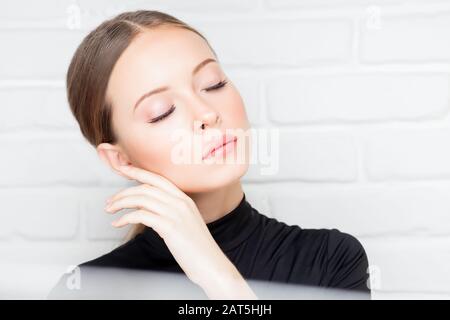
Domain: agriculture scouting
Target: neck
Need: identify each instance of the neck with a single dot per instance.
(217, 203)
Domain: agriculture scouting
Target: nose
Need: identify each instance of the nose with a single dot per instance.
(206, 117)
(209, 119)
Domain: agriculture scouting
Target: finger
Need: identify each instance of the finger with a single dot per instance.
(140, 201)
(153, 191)
(141, 216)
(153, 179)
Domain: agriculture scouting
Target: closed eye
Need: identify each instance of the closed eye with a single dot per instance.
(217, 86)
(159, 118)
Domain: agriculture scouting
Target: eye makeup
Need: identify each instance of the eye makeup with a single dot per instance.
(165, 114)
(217, 86)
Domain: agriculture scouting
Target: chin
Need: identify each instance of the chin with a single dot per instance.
(212, 177)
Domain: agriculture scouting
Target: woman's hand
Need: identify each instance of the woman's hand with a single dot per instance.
(175, 217)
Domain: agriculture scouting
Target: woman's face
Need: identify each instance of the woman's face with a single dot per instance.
(181, 61)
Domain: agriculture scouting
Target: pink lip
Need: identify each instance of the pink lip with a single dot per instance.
(225, 140)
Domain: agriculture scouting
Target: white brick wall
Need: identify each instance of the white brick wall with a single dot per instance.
(358, 89)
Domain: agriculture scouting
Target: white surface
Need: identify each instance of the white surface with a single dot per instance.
(361, 99)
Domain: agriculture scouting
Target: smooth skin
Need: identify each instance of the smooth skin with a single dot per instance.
(177, 200)
(175, 217)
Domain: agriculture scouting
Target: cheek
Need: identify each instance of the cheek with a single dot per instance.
(234, 110)
(157, 157)
(150, 153)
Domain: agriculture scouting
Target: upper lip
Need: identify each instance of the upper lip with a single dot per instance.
(217, 144)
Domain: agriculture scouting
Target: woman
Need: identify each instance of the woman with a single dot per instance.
(134, 82)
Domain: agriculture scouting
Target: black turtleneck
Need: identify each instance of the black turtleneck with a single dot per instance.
(261, 248)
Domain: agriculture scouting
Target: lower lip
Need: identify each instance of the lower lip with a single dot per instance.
(224, 149)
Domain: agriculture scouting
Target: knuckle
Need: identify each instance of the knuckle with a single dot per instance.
(177, 220)
(187, 204)
(146, 186)
(190, 201)
(140, 214)
(171, 225)
(181, 206)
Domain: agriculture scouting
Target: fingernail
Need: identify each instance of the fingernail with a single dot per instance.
(124, 167)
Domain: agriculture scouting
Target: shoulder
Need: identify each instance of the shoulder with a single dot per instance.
(131, 254)
(348, 264)
(341, 242)
(294, 241)
(325, 257)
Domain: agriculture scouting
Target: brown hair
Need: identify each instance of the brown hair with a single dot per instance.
(91, 66)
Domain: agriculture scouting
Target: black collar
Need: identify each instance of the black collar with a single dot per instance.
(229, 231)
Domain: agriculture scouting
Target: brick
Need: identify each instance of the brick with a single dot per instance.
(98, 221)
(280, 42)
(41, 214)
(55, 159)
(411, 264)
(374, 211)
(408, 154)
(407, 39)
(33, 53)
(25, 107)
(357, 97)
(318, 156)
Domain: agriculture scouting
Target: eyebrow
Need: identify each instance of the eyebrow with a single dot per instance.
(165, 88)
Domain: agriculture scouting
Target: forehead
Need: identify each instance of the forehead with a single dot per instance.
(156, 57)
(161, 50)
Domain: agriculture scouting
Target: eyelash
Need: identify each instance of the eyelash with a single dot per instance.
(217, 86)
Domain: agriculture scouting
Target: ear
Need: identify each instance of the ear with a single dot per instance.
(113, 157)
